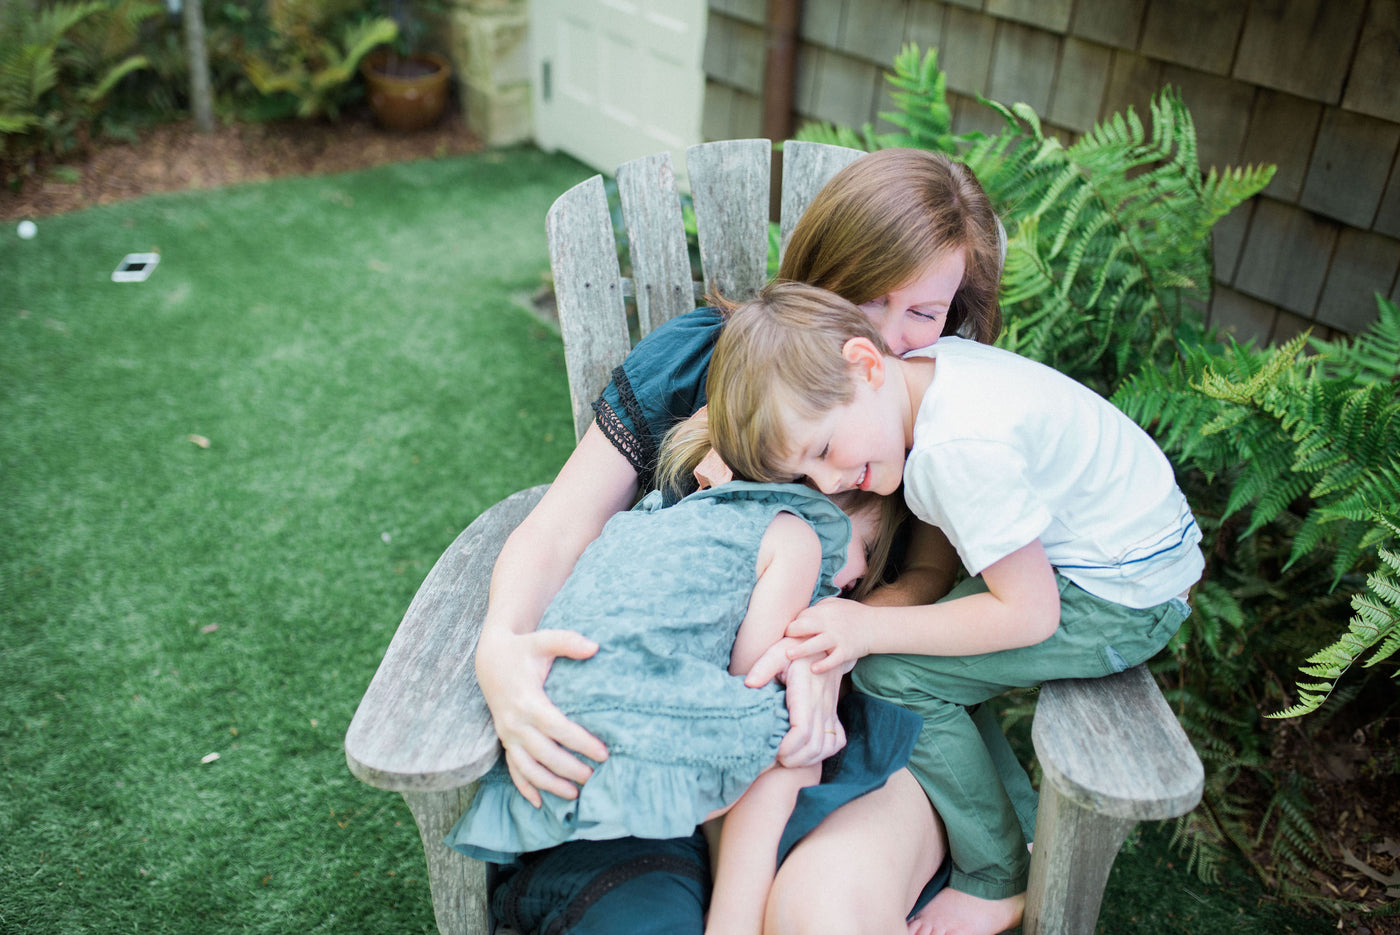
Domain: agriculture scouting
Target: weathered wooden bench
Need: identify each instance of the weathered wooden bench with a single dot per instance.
(1112, 754)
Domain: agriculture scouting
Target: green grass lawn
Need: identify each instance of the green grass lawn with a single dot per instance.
(186, 628)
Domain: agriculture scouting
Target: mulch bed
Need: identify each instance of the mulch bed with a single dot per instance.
(174, 157)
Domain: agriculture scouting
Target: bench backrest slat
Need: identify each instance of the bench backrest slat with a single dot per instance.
(730, 182)
(806, 168)
(587, 291)
(651, 212)
(730, 185)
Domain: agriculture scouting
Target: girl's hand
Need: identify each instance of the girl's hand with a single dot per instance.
(537, 737)
(835, 629)
(814, 730)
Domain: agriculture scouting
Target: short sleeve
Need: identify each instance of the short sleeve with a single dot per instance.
(978, 494)
(661, 382)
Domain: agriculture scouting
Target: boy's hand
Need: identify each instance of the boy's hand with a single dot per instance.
(834, 629)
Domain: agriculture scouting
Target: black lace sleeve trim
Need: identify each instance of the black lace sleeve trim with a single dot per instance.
(639, 447)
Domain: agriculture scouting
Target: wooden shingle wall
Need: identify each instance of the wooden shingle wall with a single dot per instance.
(1312, 86)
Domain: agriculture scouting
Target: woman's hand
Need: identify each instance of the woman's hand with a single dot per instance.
(835, 630)
(512, 657)
(814, 730)
(537, 737)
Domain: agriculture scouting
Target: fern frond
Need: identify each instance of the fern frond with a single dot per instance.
(1374, 627)
(1110, 234)
(1371, 356)
(817, 131)
(923, 115)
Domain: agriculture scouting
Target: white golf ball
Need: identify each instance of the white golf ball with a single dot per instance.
(27, 230)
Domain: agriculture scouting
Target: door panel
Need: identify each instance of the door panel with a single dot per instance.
(618, 79)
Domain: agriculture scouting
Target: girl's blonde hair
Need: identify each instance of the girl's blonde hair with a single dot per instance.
(890, 514)
(889, 215)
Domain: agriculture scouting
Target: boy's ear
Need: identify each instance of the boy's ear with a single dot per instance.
(865, 357)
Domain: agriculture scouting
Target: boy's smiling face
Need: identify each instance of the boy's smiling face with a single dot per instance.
(858, 445)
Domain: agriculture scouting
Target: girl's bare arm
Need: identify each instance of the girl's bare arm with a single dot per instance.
(1021, 607)
(789, 560)
(512, 656)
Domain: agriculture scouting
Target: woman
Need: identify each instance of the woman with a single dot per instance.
(880, 234)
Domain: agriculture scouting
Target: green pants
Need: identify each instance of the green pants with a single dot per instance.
(962, 768)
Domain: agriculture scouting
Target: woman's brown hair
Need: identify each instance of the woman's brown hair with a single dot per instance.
(888, 216)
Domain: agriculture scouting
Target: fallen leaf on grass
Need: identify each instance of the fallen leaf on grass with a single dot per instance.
(199, 440)
(209, 628)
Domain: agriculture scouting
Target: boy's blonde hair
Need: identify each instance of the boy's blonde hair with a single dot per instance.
(779, 356)
(885, 218)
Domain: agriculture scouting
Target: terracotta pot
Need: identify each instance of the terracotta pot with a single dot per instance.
(406, 92)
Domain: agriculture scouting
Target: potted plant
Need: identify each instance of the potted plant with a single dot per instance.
(408, 86)
(312, 51)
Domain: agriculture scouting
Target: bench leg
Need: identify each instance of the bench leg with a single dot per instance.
(1074, 852)
(457, 882)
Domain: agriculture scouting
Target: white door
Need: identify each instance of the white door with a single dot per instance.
(618, 79)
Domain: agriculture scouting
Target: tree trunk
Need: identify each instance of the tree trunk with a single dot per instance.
(201, 101)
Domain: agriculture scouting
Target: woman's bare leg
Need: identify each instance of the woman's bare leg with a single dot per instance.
(860, 871)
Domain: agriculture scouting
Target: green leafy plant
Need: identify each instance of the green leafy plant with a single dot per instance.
(1312, 441)
(300, 64)
(58, 64)
(1291, 460)
(1109, 239)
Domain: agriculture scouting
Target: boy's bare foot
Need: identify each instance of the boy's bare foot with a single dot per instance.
(955, 913)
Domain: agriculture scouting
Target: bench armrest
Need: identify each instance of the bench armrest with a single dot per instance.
(1113, 746)
(422, 725)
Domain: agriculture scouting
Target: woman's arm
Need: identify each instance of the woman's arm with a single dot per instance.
(512, 658)
(1021, 607)
(931, 566)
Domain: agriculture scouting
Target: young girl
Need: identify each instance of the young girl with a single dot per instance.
(1066, 513)
(682, 601)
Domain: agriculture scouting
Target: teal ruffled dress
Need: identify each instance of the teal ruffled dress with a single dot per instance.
(662, 592)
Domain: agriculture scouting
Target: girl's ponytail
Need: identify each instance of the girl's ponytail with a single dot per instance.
(682, 450)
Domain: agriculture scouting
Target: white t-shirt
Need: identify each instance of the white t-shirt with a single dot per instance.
(1007, 450)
